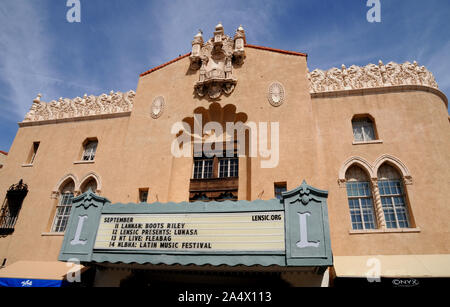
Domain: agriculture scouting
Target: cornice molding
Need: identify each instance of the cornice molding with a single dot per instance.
(381, 90)
(86, 108)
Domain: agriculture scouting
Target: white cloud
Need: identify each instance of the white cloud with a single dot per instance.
(23, 49)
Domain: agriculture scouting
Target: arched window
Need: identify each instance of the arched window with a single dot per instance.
(89, 184)
(64, 206)
(393, 198)
(360, 199)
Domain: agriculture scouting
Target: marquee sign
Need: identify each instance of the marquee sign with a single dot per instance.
(293, 231)
(257, 231)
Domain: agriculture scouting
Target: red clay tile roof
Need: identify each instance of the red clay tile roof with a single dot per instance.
(4, 152)
(277, 50)
(165, 64)
(247, 45)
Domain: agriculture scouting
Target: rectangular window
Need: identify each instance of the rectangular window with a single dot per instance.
(363, 130)
(203, 169)
(33, 153)
(143, 195)
(361, 205)
(393, 202)
(280, 188)
(228, 167)
(89, 151)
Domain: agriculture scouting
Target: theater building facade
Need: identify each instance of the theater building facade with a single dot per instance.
(234, 165)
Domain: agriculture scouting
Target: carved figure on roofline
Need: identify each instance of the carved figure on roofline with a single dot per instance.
(114, 102)
(370, 76)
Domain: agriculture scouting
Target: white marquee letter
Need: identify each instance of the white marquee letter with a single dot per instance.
(304, 232)
(76, 240)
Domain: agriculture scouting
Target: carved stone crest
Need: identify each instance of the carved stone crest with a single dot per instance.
(276, 94)
(157, 107)
(215, 60)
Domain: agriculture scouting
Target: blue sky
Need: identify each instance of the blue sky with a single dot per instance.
(40, 52)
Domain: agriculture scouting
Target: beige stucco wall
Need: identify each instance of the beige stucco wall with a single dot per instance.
(3, 158)
(414, 129)
(315, 141)
(60, 146)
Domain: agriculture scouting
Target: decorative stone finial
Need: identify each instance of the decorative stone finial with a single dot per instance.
(199, 34)
(38, 98)
(239, 44)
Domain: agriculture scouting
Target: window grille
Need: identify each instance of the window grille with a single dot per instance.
(10, 209)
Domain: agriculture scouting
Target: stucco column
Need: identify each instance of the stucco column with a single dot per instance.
(377, 204)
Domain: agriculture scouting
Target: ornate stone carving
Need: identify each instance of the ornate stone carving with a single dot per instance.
(215, 60)
(115, 102)
(378, 205)
(276, 94)
(370, 76)
(157, 107)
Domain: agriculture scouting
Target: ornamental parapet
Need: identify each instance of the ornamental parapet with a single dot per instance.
(370, 76)
(114, 103)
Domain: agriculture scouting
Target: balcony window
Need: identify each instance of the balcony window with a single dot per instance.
(228, 167)
(203, 169)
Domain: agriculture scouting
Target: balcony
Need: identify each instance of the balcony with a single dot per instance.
(214, 189)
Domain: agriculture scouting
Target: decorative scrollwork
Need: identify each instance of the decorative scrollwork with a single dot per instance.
(115, 102)
(370, 76)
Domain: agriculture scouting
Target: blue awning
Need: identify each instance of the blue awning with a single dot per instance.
(38, 274)
(28, 283)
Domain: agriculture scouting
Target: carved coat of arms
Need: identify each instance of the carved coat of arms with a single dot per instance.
(215, 60)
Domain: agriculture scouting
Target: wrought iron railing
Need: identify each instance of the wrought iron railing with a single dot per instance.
(11, 207)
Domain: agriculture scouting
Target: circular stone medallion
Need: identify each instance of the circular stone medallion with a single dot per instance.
(276, 94)
(157, 107)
